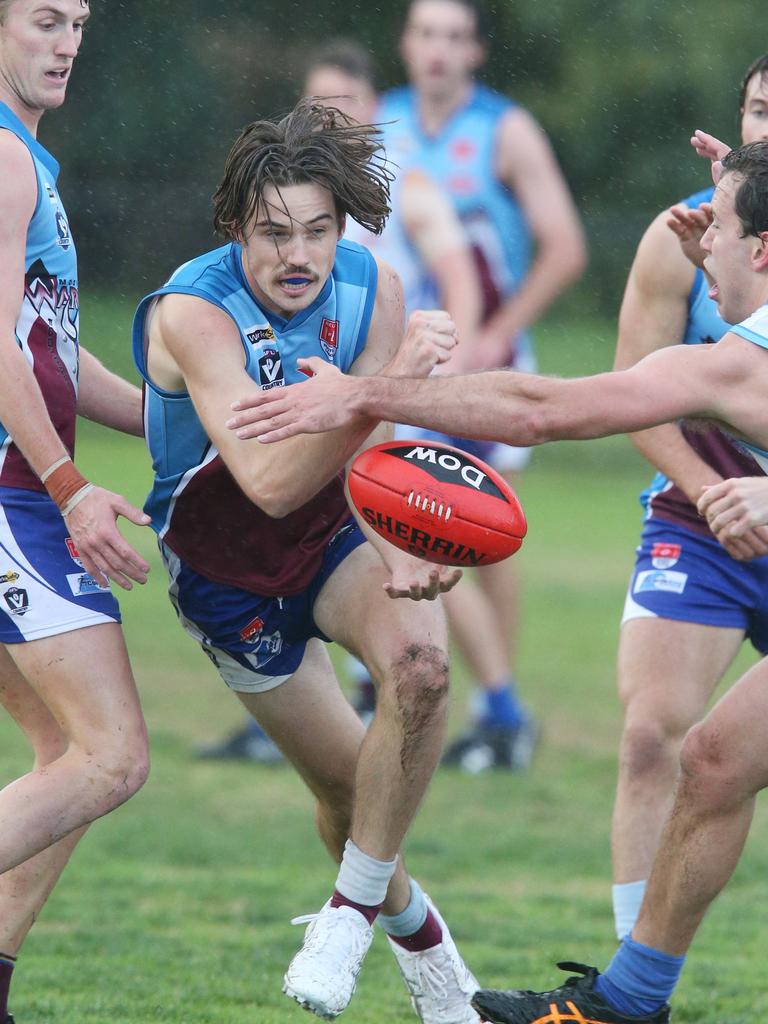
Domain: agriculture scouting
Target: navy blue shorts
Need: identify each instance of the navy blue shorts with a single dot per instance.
(255, 642)
(687, 577)
(44, 589)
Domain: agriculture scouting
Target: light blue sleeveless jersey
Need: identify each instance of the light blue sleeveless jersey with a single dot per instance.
(48, 324)
(755, 329)
(461, 158)
(195, 505)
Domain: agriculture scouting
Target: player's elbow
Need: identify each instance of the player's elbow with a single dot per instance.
(276, 499)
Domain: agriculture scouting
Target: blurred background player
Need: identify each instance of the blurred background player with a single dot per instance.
(496, 164)
(64, 672)
(691, 600)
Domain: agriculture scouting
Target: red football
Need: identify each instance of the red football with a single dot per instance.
(437, 502)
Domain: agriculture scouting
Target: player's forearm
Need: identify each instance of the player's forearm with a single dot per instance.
(550, 274)
(23, 412)
(496, 405)
(667, 450)
(108, 399)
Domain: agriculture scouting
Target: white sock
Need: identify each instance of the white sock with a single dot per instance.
(364, 879)
(627, 899)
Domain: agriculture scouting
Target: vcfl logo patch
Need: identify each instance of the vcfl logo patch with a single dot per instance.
(271, 369)
(17, 600)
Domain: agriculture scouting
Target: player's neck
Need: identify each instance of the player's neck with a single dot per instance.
(436, 109)
(28, 117)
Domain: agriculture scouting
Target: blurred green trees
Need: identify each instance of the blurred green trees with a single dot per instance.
(162, 88)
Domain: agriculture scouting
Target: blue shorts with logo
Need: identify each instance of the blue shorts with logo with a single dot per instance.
(44, 589)
(255, 642)
(688, 577)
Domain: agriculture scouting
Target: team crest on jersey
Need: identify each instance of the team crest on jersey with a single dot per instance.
(17, 600)
(251, 632)
(253, 635)
(259, 332)
(64, 238)
(74, 554)
(271, 370)
(664, 556)
(329, 337)
(9, 577)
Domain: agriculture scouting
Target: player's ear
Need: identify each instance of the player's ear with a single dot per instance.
(760, 255)
(342, 224)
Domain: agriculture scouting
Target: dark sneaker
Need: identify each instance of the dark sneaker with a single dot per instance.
(247, 744)
(486, 747)
(576, 1002)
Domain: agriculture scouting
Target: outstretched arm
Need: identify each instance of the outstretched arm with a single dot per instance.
(720, 382)
(108, 399)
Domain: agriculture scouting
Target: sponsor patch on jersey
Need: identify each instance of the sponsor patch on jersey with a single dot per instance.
(271, 370)
(17, 600)
(664, 556)
(660, 579)
(259, 332)
(62, 230)
(9, 577)
(74, 554)
(82, 583)
(329, 337)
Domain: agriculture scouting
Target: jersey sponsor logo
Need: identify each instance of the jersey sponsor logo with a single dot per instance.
(82, 584)
(329, 337)
(74, 554)
(17, 600)
(259, 332)
(660, 579)
(462, 184)
(664, 556)
(9, 577)
(271, 370)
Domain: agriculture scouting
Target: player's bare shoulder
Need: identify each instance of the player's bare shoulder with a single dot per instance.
(387, 323)
(18, 182)
(660, 263)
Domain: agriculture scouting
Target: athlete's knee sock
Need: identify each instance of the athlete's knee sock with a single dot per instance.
(502, 707)
(627, 898)
(362, 881)
(639, 979)
(7, 963)
(415, 928)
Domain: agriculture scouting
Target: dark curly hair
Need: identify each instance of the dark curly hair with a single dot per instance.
(313, 144)
(750, 163)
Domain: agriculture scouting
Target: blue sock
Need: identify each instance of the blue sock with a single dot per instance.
(639, 980)
(503, 708)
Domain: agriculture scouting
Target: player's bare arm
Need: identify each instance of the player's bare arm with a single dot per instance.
(105, 553)
(410, 577)
(184, 330)
(434, 228)
(105, 398)
(526, 163)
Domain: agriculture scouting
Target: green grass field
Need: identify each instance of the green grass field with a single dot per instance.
(176, 908)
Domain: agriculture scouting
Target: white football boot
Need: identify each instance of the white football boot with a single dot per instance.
(323, 974)
(440, 983)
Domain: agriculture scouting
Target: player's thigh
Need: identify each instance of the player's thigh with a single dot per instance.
(84, 678)
(732, 739)
(312, 722)
(668, 670)
(354, 610)
(29, 711)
